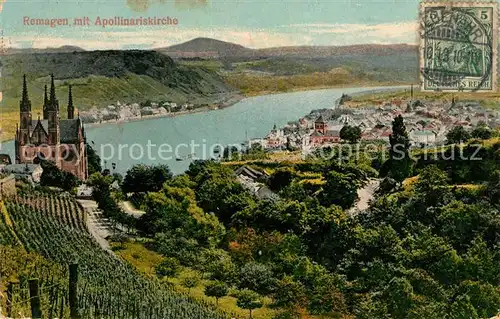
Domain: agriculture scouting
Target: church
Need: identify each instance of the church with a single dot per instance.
(51, 138)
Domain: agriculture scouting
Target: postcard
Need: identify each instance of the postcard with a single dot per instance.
(231, 159)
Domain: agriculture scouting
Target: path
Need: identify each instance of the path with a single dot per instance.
(98, 226)
(365, 195)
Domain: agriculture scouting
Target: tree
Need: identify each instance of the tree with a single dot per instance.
(117, 177)
(93, 160)
(432, 185)
(399, 294)
(230, 151)
(461, 223)
(102, 195)
(387, 185)
(290, 293)
(399, 151)
(340, 189)
(281, 178)
(175, 212)
(351, 134)
(168, 267)
(326, 299)
(257, 277)
(216, 289)
(216, 186)
(493, 187)
(53, 176)
(458, 134)
(482, 132)
(191, 281)
(462, 308)
(218, 263)
(483, 296)
(248, 299)
(145, 178)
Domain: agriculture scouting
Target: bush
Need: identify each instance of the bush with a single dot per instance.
(248, 299)
(168, 267)
(191, 281)
(183, 249)
(257, 277)
(216, 289)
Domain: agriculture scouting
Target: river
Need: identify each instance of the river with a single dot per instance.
(161, 140)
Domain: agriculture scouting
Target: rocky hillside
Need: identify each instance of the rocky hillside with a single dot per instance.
(100, 77)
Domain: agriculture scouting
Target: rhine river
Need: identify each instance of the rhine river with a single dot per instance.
(161, 140)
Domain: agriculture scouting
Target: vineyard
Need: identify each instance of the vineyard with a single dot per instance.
(107, 287)
(62, 207)
(50, 277)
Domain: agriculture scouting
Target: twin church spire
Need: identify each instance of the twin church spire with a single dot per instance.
(50, 103)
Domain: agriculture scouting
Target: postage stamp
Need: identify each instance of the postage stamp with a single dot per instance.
(458, 46)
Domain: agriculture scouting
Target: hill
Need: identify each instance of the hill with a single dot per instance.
(333, 51)
(254, 70)
(206, 47)
(211, 48)
(62, 49)
(102, 77)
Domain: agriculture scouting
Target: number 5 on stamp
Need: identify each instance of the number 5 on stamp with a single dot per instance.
(458, 46)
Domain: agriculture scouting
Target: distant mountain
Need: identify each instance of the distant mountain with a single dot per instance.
(63, 49)
(211, 48)
(333, 51)
(101, 77)
(207, 48)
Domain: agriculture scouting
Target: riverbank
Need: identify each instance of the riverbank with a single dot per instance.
(235, 99)
(323, 87)
(250, 118)
(225, 104)
(10, 119)
(9, 122)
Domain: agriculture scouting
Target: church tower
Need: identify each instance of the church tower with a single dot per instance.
(45, 104)
(320, 125)
(53, 115)
(25, 115)
(71, 108)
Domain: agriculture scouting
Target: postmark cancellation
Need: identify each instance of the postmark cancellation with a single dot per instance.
(458, 46)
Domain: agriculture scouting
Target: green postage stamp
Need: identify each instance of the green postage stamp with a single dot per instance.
(458, 46)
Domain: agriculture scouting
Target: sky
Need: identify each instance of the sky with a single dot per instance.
(251, 23)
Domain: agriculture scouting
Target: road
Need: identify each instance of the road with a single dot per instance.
(365, 195)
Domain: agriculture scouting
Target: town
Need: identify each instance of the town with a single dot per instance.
(127, 112)
(134, 111)
(427, 123)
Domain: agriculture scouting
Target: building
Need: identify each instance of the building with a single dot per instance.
(29, 172)
(253, 180)
(276, 138)
(51, 138)
(323, 134)
(424, 137)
